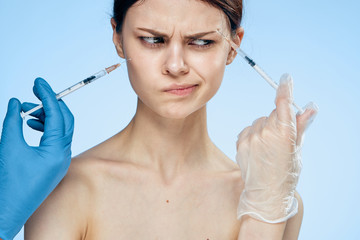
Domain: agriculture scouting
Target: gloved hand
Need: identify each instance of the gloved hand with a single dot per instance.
(269, 155)
(28, 174)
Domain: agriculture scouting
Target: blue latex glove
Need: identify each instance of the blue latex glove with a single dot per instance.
(28, 174)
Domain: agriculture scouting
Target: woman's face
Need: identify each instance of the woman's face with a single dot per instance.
(177, 57)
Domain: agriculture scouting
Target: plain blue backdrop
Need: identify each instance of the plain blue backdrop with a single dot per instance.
(316, 41)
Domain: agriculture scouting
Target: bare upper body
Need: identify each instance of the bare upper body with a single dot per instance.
(106, 196)
(109, 199)
(161, 177)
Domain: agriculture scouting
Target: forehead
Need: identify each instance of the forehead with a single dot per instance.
(191, 15)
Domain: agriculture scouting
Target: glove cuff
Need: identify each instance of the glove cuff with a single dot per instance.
(262, 212)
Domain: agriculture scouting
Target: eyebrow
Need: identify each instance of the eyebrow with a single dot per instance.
(160, 34)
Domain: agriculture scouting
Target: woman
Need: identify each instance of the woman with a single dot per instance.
(162, 177)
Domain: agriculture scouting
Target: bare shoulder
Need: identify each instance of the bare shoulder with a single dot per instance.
(229, 178)
(234, 178)
(63, 215)
(230, 168)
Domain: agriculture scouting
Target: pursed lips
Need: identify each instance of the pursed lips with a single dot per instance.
(181, 90)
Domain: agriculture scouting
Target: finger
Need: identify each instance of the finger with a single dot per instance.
(68, 118)
(36, 124)
(259, 124)
(273, 118)
(243, 135)
(242, 153)
(40, 114)
(304, 120)
(284, 100)
(54, 121)
(12, 126)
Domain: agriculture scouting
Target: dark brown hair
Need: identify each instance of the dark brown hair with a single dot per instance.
(233, 9)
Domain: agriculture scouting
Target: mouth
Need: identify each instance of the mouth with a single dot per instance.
(181, 90)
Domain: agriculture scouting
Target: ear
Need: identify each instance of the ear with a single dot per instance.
(117, 39)
(237, 40)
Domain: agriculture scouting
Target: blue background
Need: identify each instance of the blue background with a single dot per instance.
(316, 41)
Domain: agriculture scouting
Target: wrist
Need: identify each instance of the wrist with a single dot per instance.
(251, 228)
(270, 210)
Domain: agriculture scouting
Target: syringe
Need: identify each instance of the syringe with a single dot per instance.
(76, 86)
(256, 67)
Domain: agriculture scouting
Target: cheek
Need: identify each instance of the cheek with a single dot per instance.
(140, 68)
(210, 68)
(138, 78)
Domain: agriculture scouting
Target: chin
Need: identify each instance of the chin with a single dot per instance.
(178, 113)
(175, 111)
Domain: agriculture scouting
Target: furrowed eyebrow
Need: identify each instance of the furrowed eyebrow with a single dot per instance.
(199, 35)
(191, 36)
(153, 32)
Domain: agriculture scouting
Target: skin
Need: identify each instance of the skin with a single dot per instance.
(161, 177)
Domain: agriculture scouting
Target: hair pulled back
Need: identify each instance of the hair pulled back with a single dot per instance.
(233, 9)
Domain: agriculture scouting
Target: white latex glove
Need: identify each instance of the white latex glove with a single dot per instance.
(269, 155)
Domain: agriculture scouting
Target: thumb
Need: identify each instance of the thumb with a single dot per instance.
(54, 120)
(12, 126)
(304, 120)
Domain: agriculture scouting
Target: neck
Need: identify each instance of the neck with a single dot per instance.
(167, 145)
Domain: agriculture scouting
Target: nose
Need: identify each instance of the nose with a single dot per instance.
(175, 64)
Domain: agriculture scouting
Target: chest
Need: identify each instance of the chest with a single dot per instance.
(146, 210)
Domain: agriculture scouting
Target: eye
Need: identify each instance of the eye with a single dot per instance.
(153, 41)
(201, 43)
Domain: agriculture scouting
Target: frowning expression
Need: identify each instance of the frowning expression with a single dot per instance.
(177, 57)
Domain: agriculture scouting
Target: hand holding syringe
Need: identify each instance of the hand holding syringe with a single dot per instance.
(269, 154)
(256, 67)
